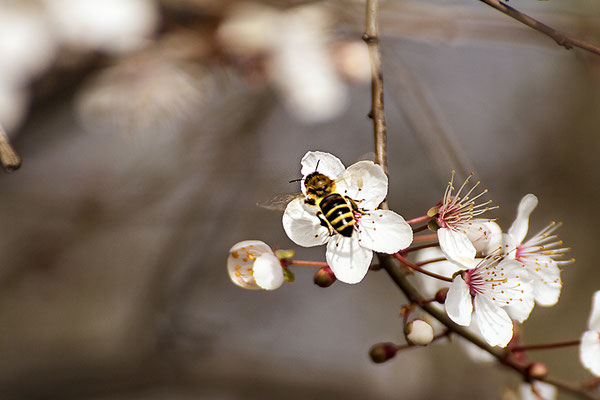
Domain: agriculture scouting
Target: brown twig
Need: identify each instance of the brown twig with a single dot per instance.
(371, 38)
(562, 39)
(11, 161)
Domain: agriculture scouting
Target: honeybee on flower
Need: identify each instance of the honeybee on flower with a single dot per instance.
(339, 208)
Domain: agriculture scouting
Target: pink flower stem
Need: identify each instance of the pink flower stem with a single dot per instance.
(418, 269)
(545, 346)
(418, 219)
(431, 261)
(423, 246)
(435, 338)
(425, 238)
(318, 264)
(420, 228)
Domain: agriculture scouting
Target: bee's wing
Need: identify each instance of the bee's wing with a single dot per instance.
(279, 202)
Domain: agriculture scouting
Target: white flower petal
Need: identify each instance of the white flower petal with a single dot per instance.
(384, 231)
(589, 351)
(364, 182)
(594, 321)
(485, 235)
(519, 228)
(546, 281)
(240, 262)
(328, 164)
(456, 246)
(348, 260)
(268, 273)
(459, 305)
(302, 226)
(514, 291)
(494, 323)
(543, 391)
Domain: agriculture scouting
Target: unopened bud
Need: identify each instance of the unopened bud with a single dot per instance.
(537, 370)
(381, 352)
(324, 277)
(433, 225)
(418, 333)
(440, 295)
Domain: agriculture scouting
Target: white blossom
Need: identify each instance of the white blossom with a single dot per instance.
(537, 391)
(486, 292)
(589, 350)
(538, 254)
(366, 185)
(460, 234)
(252, 265)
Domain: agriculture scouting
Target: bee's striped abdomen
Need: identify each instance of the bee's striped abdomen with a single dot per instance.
(338, 213)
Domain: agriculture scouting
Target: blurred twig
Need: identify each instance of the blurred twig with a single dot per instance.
(11, 161)
(562, 39)
(435, 137)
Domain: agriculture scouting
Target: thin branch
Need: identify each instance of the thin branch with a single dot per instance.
(371, 38)
(562, 39)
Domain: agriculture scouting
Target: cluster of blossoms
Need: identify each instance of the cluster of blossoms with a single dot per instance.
(487, 280)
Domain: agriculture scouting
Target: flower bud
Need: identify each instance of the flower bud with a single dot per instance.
(324, 277)
(381, 352)
(537, 370)
(440, 295)
(252, 265)
(418, 333)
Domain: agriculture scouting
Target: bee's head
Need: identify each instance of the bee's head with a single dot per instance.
(318, 185)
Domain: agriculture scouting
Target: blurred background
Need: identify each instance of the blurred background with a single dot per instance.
(149, 130)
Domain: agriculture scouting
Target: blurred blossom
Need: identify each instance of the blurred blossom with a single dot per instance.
(298, 61)
(352, 61)
(147, 94)
(110, 25)
(26, 45)
(537, 390)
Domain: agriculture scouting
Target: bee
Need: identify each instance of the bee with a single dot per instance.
(336, 211)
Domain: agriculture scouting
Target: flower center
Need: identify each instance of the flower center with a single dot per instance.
(456, 210)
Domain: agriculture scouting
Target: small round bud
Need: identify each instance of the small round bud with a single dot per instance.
(381, 352)
(433, 225)
(537, 370)
(440, 295)
(324, 277)
(418, 333)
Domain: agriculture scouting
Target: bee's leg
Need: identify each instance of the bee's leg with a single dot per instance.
(355, 206)
(324, 222)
